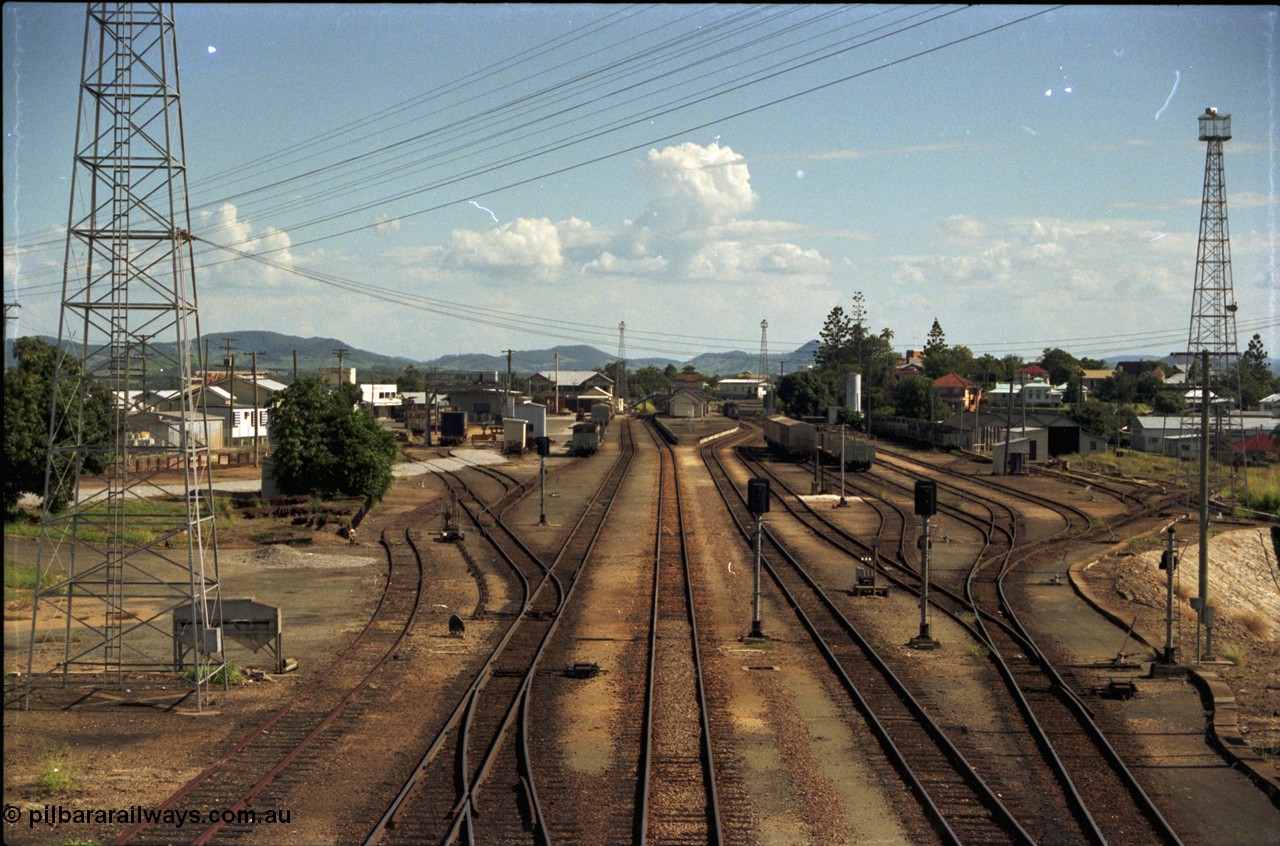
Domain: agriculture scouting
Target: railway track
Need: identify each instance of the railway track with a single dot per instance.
(1099, 793)
(474, 783)
(959, 804)
(679, 800)
(275, 755)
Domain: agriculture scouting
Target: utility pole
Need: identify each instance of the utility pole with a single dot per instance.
(255, 355)
(341, 354)
(1205, 609)
(844, 503)
(622, 365)
(4, 332)
(1008, 428)
(557, 406)
(229, 361)
(1170, 563)
(506, 389)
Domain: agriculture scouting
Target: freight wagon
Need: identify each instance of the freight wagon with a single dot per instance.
(453, 427)
(798, 440)
(857, 451)
(789, 438)
(916, 432)
(586, 439)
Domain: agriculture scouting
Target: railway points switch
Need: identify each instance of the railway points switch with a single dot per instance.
(583, 670)
(1118, 690)
(865, 584)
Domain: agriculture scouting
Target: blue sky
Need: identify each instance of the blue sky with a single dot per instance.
(499, 177)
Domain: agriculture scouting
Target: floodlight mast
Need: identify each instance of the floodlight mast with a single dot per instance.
(1212, 357)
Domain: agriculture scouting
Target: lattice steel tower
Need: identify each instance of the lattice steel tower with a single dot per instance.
(128, 571)
(1213, 316)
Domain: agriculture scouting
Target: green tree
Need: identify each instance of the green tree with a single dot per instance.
(1168, 402)
(916, 397)
(835, 349)
(1062, 366)
(809, 392)
(649, 380)
(937, 340)
(1256, 379)
(1097, 418)
(325, 443)
(411, 379)
(28, 392)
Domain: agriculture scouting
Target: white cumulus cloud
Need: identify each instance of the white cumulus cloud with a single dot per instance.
(531, 244)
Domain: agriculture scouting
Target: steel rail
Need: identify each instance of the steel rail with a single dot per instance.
(644, 815)
(246, 743)
(1000, 818)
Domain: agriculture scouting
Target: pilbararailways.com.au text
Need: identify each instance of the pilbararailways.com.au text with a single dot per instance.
(53, 815)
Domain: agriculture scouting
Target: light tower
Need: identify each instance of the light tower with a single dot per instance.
(622, 363)
(1212, 357)
(1213, 315)
(127, 571)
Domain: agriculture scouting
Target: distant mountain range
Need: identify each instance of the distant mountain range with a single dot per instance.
(278, 353)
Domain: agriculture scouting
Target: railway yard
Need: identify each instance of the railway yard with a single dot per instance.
(585, 667)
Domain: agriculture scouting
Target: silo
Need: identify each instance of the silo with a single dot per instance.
(853, 391)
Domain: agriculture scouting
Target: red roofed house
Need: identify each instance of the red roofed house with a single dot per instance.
(1034, 372)
(958, 392)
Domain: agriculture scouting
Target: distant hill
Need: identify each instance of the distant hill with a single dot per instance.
(276, 357)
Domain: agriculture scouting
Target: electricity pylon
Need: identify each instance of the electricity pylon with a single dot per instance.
(127, 572)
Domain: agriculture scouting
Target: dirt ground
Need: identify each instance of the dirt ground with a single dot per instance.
(1244, 588)
(116, 757)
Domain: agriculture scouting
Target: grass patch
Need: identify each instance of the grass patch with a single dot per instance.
(57, 777)
(229, 674)
(147, 519)
(1254, 623)
(20, 582)
(1233, 656)
(23, 576)
(979, 650)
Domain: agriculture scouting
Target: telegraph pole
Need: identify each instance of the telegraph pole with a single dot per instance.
(229, 361)
(255, 355)
(341, 354)
(4, 332)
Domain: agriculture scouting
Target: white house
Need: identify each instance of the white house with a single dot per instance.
(380, 398)
(741, 389)
(1033, 394)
